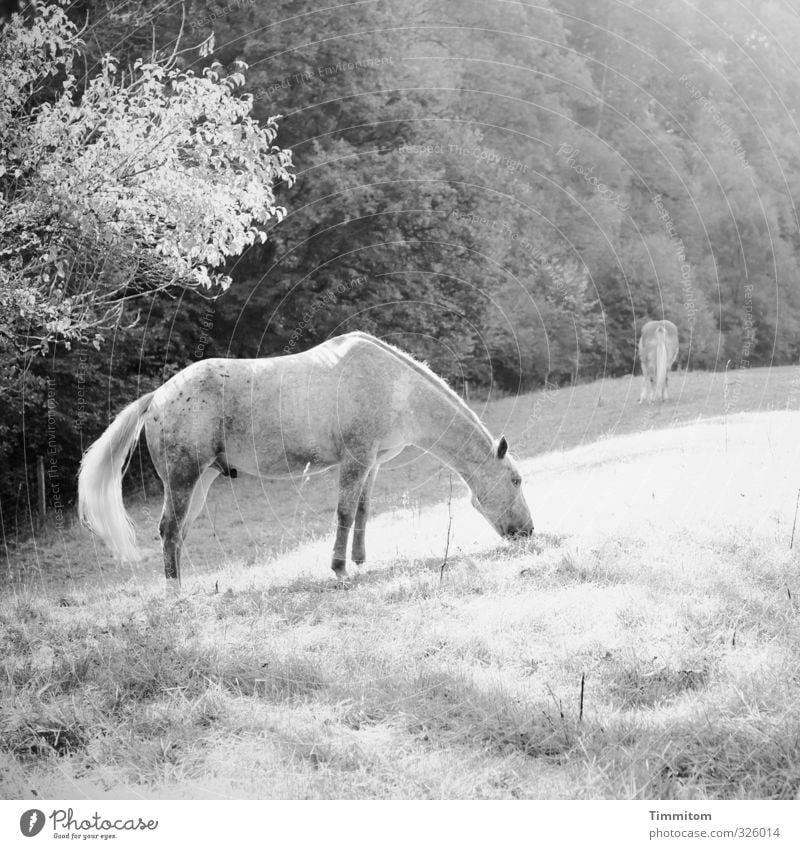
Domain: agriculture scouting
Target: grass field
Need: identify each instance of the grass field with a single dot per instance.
(644, 644)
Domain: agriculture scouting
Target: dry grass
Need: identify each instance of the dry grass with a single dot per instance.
(662, 576)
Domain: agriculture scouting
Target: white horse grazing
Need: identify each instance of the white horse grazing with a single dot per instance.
(353, 401)
(658, 350)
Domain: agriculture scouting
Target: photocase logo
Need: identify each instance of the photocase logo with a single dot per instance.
(31, 822)
(66, 825)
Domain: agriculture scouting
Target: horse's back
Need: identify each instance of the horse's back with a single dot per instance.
(348, 367)
(274, 415)
(650, 330)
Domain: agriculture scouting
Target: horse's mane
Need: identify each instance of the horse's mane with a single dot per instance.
(426, 372)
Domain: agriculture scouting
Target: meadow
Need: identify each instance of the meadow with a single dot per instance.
(642, 645)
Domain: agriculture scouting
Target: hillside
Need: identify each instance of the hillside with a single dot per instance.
(661, 576)
(254, 522)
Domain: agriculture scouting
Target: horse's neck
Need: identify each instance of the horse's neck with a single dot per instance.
(449, 430)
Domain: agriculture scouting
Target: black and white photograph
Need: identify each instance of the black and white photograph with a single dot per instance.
(400, 400)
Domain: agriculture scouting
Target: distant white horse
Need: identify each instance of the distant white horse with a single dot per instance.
(658, 350)
(353, 401)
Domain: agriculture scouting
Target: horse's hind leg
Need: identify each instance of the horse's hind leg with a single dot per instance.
(651, 384)
(352, 477)
(359, 551)
(183, 503)
(199, 495)
(171, 528)
(647, 386)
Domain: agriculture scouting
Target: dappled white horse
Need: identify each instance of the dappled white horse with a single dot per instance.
(658, 350)
(353, 401)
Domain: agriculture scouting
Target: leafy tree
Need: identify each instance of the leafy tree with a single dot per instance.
(134, 184)
(116, 189)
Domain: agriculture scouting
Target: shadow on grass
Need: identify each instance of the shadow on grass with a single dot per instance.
(428, 570)
(440, 708)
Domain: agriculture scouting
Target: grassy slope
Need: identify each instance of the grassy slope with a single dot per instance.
(662, 574)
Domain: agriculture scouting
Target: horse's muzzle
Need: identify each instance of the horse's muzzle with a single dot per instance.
(517, 532)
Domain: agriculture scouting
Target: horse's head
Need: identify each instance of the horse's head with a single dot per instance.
(497, 494)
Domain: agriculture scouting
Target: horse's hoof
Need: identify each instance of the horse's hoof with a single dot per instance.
(342, 579)
(173, 588)
(339, 569)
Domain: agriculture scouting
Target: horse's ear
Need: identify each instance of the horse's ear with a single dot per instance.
(502, 448)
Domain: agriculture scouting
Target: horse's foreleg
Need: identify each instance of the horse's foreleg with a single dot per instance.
(359, 551)
(352, 476)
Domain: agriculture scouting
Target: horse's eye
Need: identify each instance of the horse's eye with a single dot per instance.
(516, 481)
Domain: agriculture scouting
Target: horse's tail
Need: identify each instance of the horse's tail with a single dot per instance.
(661, 361)
(100, 481)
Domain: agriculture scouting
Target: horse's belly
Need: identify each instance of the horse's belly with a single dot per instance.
(276, 461)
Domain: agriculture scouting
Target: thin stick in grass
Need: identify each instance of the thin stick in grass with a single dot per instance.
(794, 523)
(449, 526)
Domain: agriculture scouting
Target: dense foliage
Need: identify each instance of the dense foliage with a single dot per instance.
(508, 190)
(511, 190)
(116, 188)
